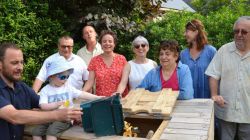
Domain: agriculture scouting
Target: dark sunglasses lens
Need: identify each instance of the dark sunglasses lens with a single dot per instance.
(138, 46)
(243, 32)
(63, 77)
(236, 32)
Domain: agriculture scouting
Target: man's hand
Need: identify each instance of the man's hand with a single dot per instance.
(219, 100)
(68, 114)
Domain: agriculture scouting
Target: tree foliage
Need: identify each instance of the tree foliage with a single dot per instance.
(206, 6)
(37, 36)
(36, 25)
(218, 25)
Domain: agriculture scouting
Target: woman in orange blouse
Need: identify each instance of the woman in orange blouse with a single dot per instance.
(106, 68)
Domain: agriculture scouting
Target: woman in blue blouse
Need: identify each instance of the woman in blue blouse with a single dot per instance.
(170, 74)
(198, 56)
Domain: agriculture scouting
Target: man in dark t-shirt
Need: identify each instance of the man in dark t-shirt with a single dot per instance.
(16, 98)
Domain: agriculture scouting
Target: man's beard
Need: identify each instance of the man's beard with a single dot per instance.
(9, 76)
(240, 45)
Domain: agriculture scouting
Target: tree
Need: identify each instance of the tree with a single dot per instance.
(37, 36)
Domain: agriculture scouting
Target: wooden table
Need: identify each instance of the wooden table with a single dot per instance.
(191, 120)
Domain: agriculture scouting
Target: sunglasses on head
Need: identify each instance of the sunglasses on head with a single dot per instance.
(242, 32)
(62, 76)
(140, 45)
(193, 25)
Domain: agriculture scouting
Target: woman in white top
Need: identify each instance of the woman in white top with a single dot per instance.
(135, 70)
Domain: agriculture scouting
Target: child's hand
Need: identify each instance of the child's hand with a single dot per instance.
(60, 103)
(63, 104)
(66, 103)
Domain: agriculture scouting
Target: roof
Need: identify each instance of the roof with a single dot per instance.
(177, 5)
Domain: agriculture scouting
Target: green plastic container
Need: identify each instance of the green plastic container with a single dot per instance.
(103, 117)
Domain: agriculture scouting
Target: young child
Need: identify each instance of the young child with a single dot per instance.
(57, 94)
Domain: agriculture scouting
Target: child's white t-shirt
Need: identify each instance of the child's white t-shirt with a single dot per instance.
(50, 94)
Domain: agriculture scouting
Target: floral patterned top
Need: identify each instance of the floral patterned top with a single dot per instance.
(107, 77)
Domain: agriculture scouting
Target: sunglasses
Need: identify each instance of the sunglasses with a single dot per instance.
(62, 76)
(65, 46)
(141, 45)
(242, 32)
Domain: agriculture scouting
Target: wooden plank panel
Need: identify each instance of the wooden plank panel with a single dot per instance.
(160, 130)
(191, 120)
(149, 97)
(195, 102)
(132, 99)
(77, 133)
(211, 128)
(198, 126)
(182, 137)
(186, 131)
(192, 115)
(185, 109)
(161, 100)
(153, 103)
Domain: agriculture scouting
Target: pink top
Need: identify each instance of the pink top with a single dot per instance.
(172, 82)
(107, 78)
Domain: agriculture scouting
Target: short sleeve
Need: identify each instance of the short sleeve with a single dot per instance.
(43, 97)
(3, 102)
(42, 75)
(92, 63)
(214, 68)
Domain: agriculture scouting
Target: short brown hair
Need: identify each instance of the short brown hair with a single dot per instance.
(109, 32)
(171, 45)
(7, 45)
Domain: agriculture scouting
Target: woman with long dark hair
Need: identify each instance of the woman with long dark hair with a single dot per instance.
(198, 56)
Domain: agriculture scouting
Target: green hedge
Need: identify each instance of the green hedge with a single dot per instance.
(31, 27)
(218, 25)
(36, 36)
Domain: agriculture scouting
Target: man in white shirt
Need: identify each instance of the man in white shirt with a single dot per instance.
(92, 47)
(229, 81)
(65, 48)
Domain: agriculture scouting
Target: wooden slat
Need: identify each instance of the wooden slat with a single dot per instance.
(153, 103)
(186, 131)
(161, 100)
(181, 137)
(211, 128)
(133, 99)
(160, 130)
(200, 126)
(191, 115)
(191, 120)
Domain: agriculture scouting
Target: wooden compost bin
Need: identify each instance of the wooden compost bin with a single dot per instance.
(171, 120)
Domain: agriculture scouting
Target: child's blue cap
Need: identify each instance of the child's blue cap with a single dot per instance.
(58, 65)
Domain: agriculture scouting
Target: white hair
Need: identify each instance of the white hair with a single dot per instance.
(240, 19)
(140, 39)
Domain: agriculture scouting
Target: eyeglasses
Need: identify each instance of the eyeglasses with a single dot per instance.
(138, 46)
(62, 76)
(242, 32)
(66, 46)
